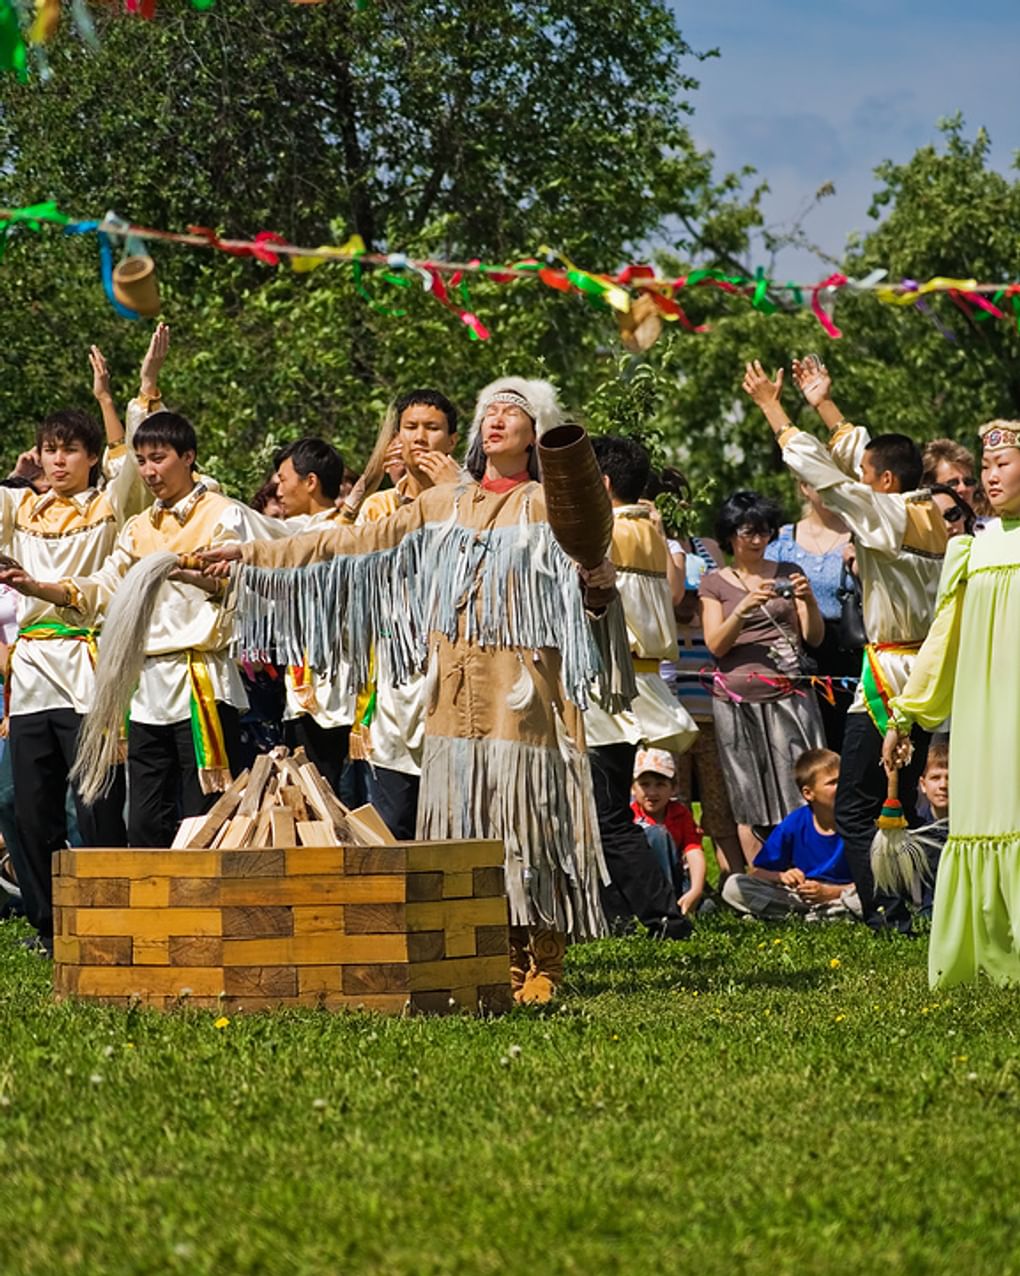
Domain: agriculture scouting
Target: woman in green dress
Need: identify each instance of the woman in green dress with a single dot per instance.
(968, 669)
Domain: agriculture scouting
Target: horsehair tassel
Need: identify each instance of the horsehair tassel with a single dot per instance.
(894, 863)
(121, 657)
(892, 816)
(190, 562)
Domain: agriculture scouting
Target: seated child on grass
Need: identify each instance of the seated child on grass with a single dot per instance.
(931, 838)
(669, 826)
(801, 870)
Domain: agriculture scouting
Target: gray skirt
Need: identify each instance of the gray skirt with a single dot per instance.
(758, 746)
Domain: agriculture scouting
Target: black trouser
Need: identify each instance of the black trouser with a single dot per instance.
(395, 796)
(163, 783)
(43, 746)
(859, 798)
(835, 663)
(638, 888)
(325, 746)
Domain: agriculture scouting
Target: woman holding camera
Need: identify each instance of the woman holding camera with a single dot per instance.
(757, 617)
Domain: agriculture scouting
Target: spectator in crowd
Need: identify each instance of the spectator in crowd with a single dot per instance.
(801, 870)
(960, 518)
(267, 499)
(950, 463)
(669, 826)
(819, 543)
(757, 616)
(899, 542)
(699, 770)
(641, 559)
(930, 839)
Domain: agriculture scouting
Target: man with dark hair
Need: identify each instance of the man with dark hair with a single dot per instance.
(183, 723)
(66, 531)
(390, 730)
(319, 708)
(638, 888)
(900, 540)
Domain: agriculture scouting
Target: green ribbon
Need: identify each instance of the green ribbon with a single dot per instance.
(57, 628)
(983, 316)
(13, 54)
(34, 216)
(760, 300)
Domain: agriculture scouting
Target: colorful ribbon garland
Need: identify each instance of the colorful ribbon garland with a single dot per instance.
(615, 292)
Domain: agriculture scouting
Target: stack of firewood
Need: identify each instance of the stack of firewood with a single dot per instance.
(282, 801)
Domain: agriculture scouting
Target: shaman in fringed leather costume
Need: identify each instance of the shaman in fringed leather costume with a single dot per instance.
(469, 585)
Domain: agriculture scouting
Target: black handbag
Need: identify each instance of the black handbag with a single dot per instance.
(850, 632)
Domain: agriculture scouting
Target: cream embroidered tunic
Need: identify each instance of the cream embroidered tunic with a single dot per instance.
(186, 618)
(900, 541)
(655, 717)
(53, 538)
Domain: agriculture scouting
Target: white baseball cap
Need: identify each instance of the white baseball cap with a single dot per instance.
(658, 761)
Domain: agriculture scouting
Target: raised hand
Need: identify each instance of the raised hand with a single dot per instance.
(757, 384)
(812, 379)
(154, 359)
(100, 375)
(28, 466)
(437, 466)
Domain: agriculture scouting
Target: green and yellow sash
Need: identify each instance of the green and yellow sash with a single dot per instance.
(206, 728)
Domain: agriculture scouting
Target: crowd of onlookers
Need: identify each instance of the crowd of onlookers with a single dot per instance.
(775, 622)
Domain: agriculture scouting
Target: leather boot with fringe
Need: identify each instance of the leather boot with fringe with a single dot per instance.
(548, 948)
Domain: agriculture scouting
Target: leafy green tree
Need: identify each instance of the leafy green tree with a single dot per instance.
(436, 129)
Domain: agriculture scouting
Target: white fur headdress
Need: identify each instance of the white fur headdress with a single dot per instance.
(538, 398)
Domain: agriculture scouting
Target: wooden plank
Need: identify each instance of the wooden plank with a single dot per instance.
(239, 830)
(378, 977)
(375, 859)
(260, 981)
(220, 836)
(269, 863)
(459, 972)
(454, 856)
(123, 981)
(488, 881)
(313, 890)
(293, 797)
(315, 833)
(65, 891)
(424, 886)
(187, 828)
(317, 950)
(457, 912)
(314, 919)
(369, 827)
(315, 860)
(375, 919)
(262, 834)
(426, 945)
(257, 922)
(323, 799)
(150, 892)
(108, 951)
(460, 941)
(65, 949)
(318, 979)
(194, 892)
(151, 952)
(104, 892)
(148, 923)
(261, 773)
(492, 941)
(141, 862)
(458, 885)
(222, 809)
(311, 782)
(194, 950)
(284, 832)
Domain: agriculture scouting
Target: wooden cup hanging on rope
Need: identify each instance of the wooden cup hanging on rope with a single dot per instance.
(135, 285)
(641, 326)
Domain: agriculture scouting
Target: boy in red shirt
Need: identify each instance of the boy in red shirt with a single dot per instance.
(670, 827)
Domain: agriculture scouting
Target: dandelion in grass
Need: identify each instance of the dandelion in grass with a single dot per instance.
(222, 1022)
(835, 963)
(840, 1018)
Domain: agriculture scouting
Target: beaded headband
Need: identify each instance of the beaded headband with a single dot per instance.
(1000, 434)
(511, 396)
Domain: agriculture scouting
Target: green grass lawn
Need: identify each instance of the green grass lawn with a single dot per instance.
(761, 1100)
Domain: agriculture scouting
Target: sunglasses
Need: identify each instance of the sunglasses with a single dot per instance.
(953, 514)
(961, 482)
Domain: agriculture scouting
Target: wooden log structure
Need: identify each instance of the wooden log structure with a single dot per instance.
(413, 927)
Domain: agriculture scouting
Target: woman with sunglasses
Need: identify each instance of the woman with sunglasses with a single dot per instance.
(959, 517)
(756, 616)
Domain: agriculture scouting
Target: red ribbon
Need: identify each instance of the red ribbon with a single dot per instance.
(833, 281)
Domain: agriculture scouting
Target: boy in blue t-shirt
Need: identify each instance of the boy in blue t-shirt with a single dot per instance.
(801, 870)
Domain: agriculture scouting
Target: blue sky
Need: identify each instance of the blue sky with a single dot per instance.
(823, 91)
